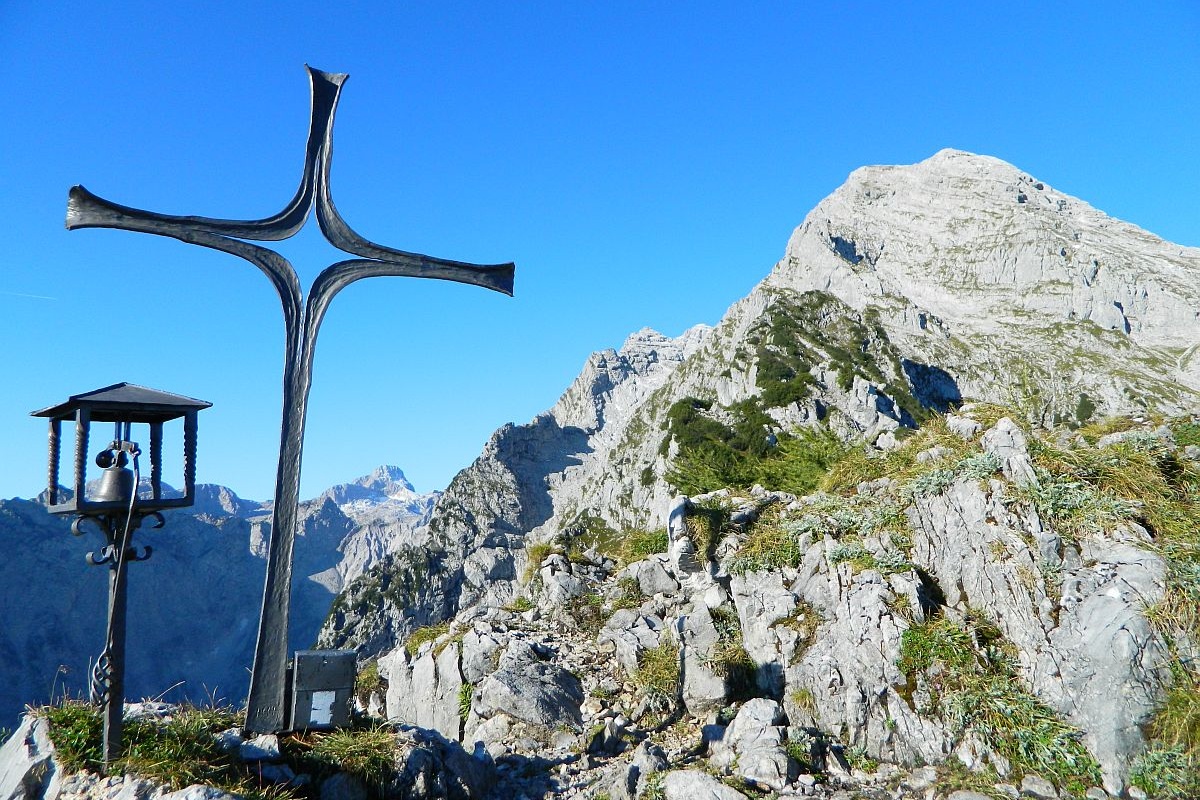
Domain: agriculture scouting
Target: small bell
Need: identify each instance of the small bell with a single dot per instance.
(116, 482)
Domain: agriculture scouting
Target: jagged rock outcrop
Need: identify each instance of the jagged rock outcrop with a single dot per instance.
(28, 770)
(478, 530)
(940, 614)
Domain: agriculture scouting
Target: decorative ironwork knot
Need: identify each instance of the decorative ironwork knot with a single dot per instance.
(101, 678)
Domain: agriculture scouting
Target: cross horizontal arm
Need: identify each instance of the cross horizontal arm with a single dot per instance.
(86, 210)
(497, 277)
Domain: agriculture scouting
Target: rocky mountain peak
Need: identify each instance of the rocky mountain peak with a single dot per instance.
(384, 486)
(387, 479)
(971, 247)
(215, 500)
(648, 346)
(621, 378)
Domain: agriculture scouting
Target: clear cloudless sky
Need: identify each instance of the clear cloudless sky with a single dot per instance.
(643, 163)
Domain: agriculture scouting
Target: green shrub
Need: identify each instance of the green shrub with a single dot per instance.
(1166, 774)
(713, 455)
(589, 530)
(854, 553)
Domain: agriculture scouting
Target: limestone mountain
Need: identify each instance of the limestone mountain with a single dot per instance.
(905, 291)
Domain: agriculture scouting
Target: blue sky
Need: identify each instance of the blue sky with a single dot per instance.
(642, 163)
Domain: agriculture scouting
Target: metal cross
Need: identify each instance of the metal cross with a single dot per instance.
(302, 320)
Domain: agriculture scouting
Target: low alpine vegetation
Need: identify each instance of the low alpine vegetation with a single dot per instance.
(967, 673)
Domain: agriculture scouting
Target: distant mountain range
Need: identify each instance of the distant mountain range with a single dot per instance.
(193, 607)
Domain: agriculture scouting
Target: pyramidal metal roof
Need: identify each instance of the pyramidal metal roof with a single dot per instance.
(126, 401)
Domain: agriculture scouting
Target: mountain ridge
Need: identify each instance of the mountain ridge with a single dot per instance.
(810, 346)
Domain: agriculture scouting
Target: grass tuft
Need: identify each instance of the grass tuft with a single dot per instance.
(973, 685)
(422, 635)
(368, 754)
(177, 751)
(636, 545)
(658, 675)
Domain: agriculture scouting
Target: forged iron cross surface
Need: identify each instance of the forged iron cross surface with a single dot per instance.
(302, 319)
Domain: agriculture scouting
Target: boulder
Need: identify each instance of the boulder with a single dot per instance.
(530, 687)
(652, 576)
(754, 745)
(703, 689)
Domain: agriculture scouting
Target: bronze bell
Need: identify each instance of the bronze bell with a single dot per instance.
(116, 482)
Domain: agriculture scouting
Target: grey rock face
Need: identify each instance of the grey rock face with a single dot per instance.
(27, 767)
(1091, 655)
(850, 669)
(928, 236)
(436, 768)
(1007, 442)
(703, 689)
(762, 600)
(1037, 787)
(424, 690)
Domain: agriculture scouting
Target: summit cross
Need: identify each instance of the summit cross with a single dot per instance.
(302, 319)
